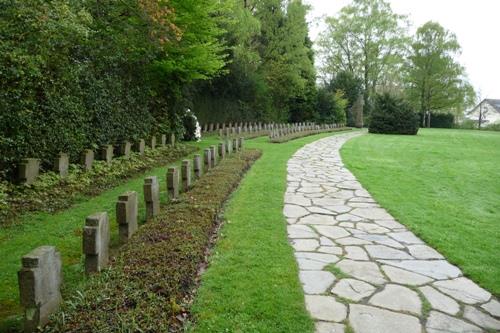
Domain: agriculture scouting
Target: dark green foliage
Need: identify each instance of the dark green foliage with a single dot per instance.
(50, 192)
(153, 275)
(441, 120)
(393, 115)
(352, 87)
(331, 106)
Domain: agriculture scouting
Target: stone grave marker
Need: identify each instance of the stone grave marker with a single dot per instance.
(186, 175)
(151, 196)
(96, 242)
(140, 146)
(222, 150)
(213, 155)
(107, 153)
(207, 158)
(87, 159)
(152, 142)
(125, 148)
(173, 182)
(126, 215)
(61, 164)
(197, 166)
(39, 286)
(163, 140)
(29, 169)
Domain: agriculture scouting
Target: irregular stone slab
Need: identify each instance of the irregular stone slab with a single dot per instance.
(372, 213)
(439, 301)
(402, 276)
(481, 319)
(325, 327)
(352, 241)
(339, 209)
(424, 252)
(381, 239)
(440, 323)
(398, 298)
(371, 228)
(318, 219)
(353, 289)
(355, 253)
(316, 282)
(301, 231)
(346, 225)
(492, 307)
(326, 241)
(294, 211)
(332, 232)
(385, 252)
(369, 319)
(337, 250)
(314, 261)
(437, 269)
(405, 237)
(298, 200)
(319, 210)
(366, 271)
(464, 290)
(348, 218)
(305, 244)
(390, 224)
(325, 308)
(327, 202)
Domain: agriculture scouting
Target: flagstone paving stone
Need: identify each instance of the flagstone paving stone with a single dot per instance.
(334, 221)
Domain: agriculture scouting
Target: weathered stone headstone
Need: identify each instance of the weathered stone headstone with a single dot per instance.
(126, 215)
(39, 286)
(125, 148)
(211, 127)
(207, 158)
(229, 148)
(140, 146)
(186, 174)
(152, 142)
(96, 242)
(151, 196)
(61, 164)
(106, 153)
(87, 159)
(197, 166)
(221, 133)
(173, 182)
(222, 150)
(205, 128)
(241, 143)
(235, 144)
(172, 139)
(163, 140)
(213, 153)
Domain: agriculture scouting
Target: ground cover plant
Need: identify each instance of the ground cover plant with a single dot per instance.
(153, 274)
(51, 192)
(297, 135)
(252, 282)
(63, 230)
(444, 186)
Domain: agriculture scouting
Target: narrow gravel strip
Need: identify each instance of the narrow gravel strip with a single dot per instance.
(360, 267)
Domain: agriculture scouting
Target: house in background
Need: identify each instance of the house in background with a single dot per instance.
(488, 109)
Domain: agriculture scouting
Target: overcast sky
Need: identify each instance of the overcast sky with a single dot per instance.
(475, 22)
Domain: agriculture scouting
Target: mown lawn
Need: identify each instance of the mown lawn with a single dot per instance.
(63, 230)
(252, 282)
(442, 184)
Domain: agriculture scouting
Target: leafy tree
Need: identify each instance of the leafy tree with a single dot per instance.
(331, 106)
(352, 87)
(367, 39)
(436, 81)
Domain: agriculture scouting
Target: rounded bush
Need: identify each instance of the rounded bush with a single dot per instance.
(393, 115)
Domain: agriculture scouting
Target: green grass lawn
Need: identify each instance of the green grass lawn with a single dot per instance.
(252, 282)
(444, 185)
(63, 230)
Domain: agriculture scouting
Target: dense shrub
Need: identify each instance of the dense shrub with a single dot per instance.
(441, 120)
(393, 115)
(151, 279)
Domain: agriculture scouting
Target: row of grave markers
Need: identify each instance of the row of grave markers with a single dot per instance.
(244, 127)
(40, 276)
(29, 168)
(279, 132)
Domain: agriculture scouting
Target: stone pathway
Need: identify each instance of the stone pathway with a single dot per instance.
(360, 267)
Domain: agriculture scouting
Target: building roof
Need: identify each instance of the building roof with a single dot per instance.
(495, 103)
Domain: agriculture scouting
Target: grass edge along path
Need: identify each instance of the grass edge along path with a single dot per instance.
(63, 230)
(444, 186)
(252, 282)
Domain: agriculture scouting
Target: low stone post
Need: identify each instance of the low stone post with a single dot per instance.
(39, 286)
(151, 196)
(96, 242)
(197, 166)
(207, 158)
(222, 150)
(163, 140)
(125, 148)
(173, 182)
(229, 148)
(61, 164)
(235, 144)
(107, 153)
(140, 146)
(172, 139)
(211, 127)
(126, 215)
(186, 175)
(213, 153)
(221, 133)
(29, 169)
(87, 159)
(152, 142)
(241, 143)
